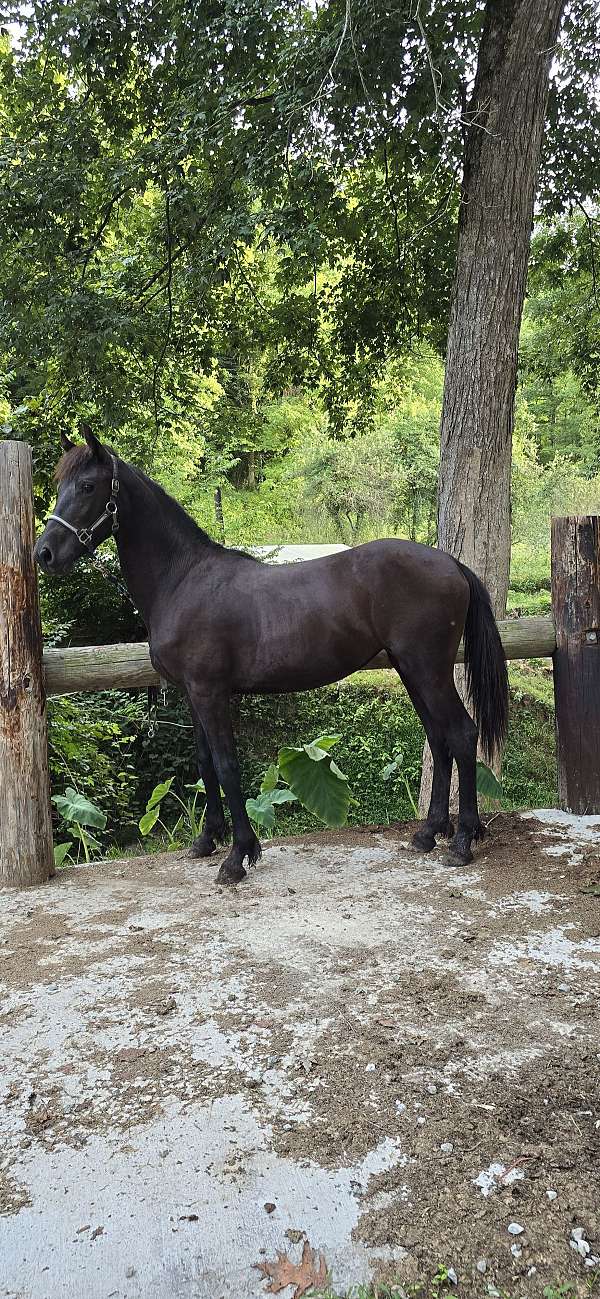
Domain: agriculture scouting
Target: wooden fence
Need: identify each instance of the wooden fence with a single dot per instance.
(570, 636)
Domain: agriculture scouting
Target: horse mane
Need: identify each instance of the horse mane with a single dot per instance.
(185, 520)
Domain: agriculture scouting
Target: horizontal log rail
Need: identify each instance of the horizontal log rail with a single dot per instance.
(128, 667)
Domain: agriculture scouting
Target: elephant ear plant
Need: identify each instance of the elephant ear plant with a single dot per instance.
(306, 774)
(80, 816)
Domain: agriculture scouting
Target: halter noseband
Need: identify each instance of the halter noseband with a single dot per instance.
(85, 535)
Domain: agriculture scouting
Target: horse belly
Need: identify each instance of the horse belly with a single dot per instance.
(307, 661)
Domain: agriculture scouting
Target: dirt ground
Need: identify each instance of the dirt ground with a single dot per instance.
(358, 1048)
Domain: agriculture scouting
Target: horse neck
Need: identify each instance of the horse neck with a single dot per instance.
(156, 541)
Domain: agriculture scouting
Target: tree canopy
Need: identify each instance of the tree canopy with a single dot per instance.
(254, 195)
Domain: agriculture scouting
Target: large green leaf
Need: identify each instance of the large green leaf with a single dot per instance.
(282, 796)
(487, 782)
(159, 792)
(149, 819)
(261, 811)
(317, 782)
(78, 809)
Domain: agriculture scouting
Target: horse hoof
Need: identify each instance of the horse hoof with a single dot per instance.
(231, 875)
(202, 847)
(423, 841)
(457, 859)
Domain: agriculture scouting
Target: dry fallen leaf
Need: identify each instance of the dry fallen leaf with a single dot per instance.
(310, 1273)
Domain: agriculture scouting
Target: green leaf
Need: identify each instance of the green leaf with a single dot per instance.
(158, 793)
(317, 782)
(269, 779)
(394, 767)
(314, 751)
(148, 821)
(326, 741)
(75, 807)
(61, 850)
(487, 782)
(261, 812)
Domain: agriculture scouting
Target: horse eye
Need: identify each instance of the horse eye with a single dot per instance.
(87, 487)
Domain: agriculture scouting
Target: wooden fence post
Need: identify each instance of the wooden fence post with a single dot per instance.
(26, 855)
(576, 604)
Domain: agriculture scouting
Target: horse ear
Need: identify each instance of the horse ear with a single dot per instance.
(93, 442)
(66, 442)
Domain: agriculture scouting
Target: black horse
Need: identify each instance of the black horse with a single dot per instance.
(220, 622)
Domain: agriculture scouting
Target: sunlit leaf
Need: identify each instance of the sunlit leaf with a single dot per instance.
(149, 819)
(159, 792)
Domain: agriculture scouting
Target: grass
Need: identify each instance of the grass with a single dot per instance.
(440, 1287)
(532, 679)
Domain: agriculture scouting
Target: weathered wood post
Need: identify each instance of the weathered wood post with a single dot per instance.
(26, 855)
(576, 604)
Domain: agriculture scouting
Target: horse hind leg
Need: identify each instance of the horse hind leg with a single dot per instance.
(460, 735)
(462, 739)
(438, 821)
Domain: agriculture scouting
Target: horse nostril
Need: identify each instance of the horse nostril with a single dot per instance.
(45, 555)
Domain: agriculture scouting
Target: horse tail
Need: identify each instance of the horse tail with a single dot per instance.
(485, 667)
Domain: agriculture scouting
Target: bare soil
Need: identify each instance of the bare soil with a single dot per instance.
(357, 997)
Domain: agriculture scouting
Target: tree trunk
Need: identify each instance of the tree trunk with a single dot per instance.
(503, 141)
(26, 855)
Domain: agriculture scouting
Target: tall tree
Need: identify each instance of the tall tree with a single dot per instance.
(504, 128)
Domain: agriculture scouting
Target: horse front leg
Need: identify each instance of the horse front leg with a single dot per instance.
(214, 829)
(214, 715)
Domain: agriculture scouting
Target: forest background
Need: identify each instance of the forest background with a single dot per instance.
(229, 238)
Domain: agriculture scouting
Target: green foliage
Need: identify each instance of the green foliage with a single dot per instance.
(487, 782)
(78, 813)
(261, 809)
(394, 770)
(316, 780)
(189, 823)
(93, 743)
(210, 216)
(86, 609)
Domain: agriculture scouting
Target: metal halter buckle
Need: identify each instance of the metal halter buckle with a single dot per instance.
(111, 507)
(84, 536)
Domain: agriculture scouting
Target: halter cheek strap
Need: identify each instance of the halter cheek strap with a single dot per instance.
(86, 535)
